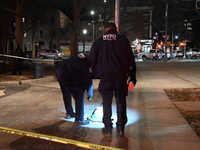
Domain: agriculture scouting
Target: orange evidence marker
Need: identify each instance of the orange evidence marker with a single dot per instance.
(131, 86)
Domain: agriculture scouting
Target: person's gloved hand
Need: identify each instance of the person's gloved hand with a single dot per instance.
(133, 80)
(89, 98)
(133, 76)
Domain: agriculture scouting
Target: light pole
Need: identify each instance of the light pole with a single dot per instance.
(92, 13)
(172, 38)
(117, 17)
(166, 26)
(84, 33)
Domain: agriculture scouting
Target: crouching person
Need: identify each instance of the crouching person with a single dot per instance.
(75, 78)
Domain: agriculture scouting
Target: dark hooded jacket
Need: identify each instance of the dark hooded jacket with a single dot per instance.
(111, 53)
(74, 71)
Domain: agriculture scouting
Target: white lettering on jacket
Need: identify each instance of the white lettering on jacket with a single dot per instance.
(109, 37)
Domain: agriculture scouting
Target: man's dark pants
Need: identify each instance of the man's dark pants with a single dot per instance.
(114, 84)
(78, 95)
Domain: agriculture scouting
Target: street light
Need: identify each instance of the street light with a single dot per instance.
(92, 13)
(84, 33)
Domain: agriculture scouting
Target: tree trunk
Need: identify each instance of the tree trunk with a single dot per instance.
(74, 45)
(18, 23)
(33, 43)
(78, 7)
(18, 26)
(2, 45)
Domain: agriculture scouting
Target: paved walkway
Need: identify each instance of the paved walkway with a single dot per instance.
(154, 121)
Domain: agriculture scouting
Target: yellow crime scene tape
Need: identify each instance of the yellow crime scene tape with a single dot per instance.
(57, 139)
(33, 59)
(16, 57)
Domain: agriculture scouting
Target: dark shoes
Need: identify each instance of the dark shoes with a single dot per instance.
(106, 132)
(83, 122)
(89, 98)
(120, 133)
(70, 116)
(120, 130)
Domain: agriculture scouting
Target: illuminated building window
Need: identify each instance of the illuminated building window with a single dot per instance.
(23, 19)
(25, 35)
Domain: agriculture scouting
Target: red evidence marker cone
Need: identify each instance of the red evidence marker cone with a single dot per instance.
(131, 86)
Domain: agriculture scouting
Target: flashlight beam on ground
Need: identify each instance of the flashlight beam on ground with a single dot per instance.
(57, 139)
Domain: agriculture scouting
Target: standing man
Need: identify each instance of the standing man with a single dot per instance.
(74, 77)
(17, 62)
(113, 62)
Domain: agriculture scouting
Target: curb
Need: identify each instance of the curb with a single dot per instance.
(29, 81)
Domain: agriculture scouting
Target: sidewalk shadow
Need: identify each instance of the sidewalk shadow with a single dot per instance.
(63, 129)
(121, 142)
(106, 141)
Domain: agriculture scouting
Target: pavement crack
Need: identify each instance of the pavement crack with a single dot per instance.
(183, 79)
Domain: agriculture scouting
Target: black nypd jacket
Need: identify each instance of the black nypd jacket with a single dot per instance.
(74, 71)
(112, 52)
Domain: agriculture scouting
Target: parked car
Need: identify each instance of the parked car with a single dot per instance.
(179, 53)
(135, 54)
(153, 54)
(192, 53)
(49, 53)
(160, 55)
(147, 55)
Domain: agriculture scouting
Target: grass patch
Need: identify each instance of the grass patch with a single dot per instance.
(187, 94)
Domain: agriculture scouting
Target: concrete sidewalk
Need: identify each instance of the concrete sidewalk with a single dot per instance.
(154, 122)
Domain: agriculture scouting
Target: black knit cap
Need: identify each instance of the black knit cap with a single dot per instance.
(111, 25)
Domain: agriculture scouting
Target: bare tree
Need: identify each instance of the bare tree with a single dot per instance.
(6, 35)
(17, 9)
(79, 12)
(18, 23)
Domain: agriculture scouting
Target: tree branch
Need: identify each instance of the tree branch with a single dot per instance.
(13, 11)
